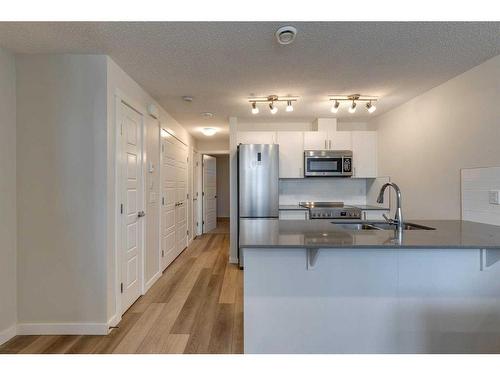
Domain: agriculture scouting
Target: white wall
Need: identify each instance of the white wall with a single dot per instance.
(8, 226)
(425, 142)
(119, 82)
(347, 190)
(61, 189)
(207, 146)
(222, 185)
(476, 185)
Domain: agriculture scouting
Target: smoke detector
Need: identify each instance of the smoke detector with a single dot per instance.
(207, 114)
(286, 34)
(187, 98)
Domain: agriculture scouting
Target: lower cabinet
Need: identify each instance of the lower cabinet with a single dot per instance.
(294, 215)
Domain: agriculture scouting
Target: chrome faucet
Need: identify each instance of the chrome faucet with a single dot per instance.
(398, 218)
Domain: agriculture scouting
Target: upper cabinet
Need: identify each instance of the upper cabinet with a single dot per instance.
(251, 137)
(316, 140)
(291, 154)
(364, 151)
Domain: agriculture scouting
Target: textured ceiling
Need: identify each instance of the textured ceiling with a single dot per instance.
(221, 64)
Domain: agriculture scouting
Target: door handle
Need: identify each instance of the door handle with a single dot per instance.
(141, 214)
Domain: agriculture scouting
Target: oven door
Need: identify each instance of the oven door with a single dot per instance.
(323, 166)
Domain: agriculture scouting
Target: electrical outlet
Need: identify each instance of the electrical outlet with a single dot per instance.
(494, 196)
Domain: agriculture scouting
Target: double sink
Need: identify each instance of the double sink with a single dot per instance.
(377, 225)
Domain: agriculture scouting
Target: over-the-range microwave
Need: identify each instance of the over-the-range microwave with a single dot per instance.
(327, 163)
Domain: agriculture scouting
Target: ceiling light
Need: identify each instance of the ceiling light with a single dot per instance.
(352, 107)
(370, 107)
(273, 108)
(286, 34)
(187, 98)
(209, 131)
(255, 110)
(289, 106)
(335, 106)
(207, 114)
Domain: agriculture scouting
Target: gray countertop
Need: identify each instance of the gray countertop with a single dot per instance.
(274, 233)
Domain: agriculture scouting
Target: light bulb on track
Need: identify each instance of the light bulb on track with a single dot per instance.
(255, 110)
(335, 107)
(370, 107)
(272, 108)
(352, 108)
(289, 106)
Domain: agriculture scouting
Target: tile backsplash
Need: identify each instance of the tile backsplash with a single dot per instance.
(347, 190)
(476, 184)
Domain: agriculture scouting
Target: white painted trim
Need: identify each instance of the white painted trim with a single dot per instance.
(153, 280)
(233, 260)
(62, 329)
(7, 334)
(115, 319)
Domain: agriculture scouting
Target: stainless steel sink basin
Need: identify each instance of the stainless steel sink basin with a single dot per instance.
(378, 225)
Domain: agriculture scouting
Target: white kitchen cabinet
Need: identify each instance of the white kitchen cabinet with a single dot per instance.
(364, 149)
(315, 140)
(293, 214)
(340, 140)
(327, 140)
(250, 137)
(291, 154)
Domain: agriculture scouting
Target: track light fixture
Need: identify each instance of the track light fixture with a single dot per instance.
(335, 106)
(354, 99)
(272, 100)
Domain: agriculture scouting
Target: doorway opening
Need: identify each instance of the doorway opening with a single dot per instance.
(215, 193)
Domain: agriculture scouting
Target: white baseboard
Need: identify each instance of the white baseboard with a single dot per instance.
(115, 319)
(153, 280)
(233, 260)
(62, 329)
(7, 334)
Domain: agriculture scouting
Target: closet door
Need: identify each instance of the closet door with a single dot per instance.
(181, 197)
(168, 208)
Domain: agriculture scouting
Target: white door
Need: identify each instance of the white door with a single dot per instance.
(169, 184)
(250, 137)
(181, 220)
(291, 154)
(315, 140)
(131, 244)
(209, 193)
(196, 193)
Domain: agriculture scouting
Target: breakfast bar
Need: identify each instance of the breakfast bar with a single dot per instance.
(326, 286)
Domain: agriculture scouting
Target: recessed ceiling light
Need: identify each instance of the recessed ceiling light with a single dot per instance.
(209, 131)
(207, 114)
(187, 98)
(286, 34)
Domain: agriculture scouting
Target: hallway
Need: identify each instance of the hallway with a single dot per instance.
(195, 307)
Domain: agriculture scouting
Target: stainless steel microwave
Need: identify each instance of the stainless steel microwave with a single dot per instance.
(327, 163)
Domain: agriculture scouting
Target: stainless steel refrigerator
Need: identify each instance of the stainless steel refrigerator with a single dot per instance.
(258, 179)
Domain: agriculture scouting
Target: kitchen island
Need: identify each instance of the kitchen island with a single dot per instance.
(311, 286)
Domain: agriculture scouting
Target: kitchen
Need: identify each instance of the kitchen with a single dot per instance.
(355, 174)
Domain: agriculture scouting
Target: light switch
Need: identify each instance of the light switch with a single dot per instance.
(494, 196)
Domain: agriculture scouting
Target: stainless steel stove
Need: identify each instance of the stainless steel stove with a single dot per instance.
(331, 210)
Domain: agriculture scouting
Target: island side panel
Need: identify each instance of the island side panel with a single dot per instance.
(346, 304)
(370, 301)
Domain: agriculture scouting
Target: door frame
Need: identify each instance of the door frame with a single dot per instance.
(203, 190)
(119, 99)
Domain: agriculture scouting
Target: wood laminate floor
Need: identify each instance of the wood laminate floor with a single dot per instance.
(195, 307)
